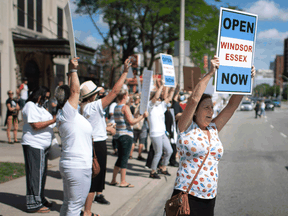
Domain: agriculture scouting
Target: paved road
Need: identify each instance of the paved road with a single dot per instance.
(253, 179)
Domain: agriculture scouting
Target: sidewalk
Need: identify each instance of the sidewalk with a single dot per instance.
(123, 200)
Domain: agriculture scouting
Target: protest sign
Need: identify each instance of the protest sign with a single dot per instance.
(235, 48)
(192, 76)
(168, 70)
(146, 88)
(70, 30)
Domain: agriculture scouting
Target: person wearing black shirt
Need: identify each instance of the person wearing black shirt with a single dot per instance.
(12, 116)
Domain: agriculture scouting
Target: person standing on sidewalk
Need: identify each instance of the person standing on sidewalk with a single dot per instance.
(36, 139)
(159, 139)
(124, 120)
(23, 92)
(198, 136)
(76, 137)
(93, 111)
(12, 117)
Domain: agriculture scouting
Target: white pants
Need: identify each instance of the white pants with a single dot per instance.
(76, 186)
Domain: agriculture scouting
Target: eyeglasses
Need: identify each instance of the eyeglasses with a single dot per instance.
(10, 93)
(47, 97)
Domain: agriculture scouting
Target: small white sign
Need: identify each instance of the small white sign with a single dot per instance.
(70, 30)
(168, 70)
(146, 88)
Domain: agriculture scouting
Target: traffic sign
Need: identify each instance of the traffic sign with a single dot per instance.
(235, 48)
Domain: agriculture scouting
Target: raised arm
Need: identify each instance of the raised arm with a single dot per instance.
(229, 110)
(74, 83)
(128, 115)
(117, 87)
(170, 95)
(187, 116)
(158, 92)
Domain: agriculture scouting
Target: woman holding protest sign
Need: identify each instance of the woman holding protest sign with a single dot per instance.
(199, 145)
(93, 111)
(157, 107)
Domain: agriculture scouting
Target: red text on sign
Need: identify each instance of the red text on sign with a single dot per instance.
(235, 46)
(235, 57)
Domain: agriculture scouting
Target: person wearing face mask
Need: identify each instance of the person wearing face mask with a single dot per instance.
(124, 132)
(160, 141)
(199, 139)
(93, 111)
(36, 139)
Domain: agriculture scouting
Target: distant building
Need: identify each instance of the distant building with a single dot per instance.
(278, 70)
(285, 73)
(34, 44)
(264, 76)
(272, 65)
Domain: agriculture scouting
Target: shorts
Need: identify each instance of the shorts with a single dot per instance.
(138, 134)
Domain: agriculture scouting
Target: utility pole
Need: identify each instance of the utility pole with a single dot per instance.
(181, 45)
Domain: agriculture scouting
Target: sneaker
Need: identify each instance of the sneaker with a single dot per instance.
(160, 171)
(101, 200)
(141, 158)
(154, 175)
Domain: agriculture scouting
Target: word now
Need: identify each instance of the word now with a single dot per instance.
(166, 59)
(243, 27)
(235, 57)
(235, 46)
(234, 79)
(169, 80)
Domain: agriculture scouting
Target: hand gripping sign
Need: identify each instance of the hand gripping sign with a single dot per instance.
(235, 48)
(168, 69)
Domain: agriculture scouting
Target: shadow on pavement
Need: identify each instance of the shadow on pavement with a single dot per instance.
(54, 174)
(14, 200)
(54, 194)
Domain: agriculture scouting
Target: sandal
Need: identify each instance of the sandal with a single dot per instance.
(11, 142)
(41, 210)
(127, 186)
(114, 184)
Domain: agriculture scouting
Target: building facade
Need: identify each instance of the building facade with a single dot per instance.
(34, 44)
(278, 70)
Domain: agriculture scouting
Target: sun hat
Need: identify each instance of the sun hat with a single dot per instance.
(88, 88)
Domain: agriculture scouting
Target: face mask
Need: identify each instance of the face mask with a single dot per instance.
(168, 105)
(158, 103)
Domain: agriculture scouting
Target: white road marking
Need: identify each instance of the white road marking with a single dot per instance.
(282, 134)
(271, 126)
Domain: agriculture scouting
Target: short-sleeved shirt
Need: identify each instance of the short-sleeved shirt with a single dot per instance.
(76, 138)
(192, 146)
(13, 104)
(95, 114)
(157, 118)
(40, 139)
(24, 91)
(111, 110)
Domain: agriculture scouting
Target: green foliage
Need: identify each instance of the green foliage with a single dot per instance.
(285, 93)
(9, 171)
(265, 90)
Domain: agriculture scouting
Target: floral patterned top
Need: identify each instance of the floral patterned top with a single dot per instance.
(192, 146)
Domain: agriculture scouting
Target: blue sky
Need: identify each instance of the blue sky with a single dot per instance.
(271, 32)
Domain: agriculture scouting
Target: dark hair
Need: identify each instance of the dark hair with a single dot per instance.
(38, 92)
(204, 96)
(62, 94)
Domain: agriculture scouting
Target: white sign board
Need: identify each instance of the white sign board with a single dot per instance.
(235, 48)
(168, 70)
(146, 88)
(130, 73)
(70, 30)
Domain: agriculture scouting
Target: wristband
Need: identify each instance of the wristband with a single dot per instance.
(71, 71)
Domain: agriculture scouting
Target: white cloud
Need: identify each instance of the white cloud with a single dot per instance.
(267, 9)
(92, 41)
(273, 34)
(73, 7)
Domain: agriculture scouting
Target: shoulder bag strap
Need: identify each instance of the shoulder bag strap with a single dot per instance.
(191, 184)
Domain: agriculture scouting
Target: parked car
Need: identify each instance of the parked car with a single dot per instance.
(277, 103)
(269, 105)
(246, 106)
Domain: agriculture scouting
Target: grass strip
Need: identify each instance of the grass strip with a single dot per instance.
(9, 171)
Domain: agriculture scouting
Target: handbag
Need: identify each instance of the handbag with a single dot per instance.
(95, 165)
(54, 150)
(178, 205)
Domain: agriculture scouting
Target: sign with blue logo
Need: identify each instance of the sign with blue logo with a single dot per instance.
(168, 70)
(235, 48)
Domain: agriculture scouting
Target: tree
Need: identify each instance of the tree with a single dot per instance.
(153, 25)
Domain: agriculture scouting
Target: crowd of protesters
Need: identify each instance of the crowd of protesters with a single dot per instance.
(85, 114)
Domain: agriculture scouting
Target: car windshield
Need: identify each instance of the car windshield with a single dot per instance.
(246, 102)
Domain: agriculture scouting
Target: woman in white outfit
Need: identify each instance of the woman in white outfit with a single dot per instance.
(93, 111)
(160, 141)
(76, 138)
